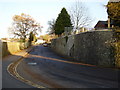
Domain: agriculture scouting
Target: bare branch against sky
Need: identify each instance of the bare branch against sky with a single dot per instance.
(79, 15)
(24, 24)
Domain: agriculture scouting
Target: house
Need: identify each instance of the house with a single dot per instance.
(102, 25)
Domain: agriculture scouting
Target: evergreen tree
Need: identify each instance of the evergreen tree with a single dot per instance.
(32, 37)
(63, 20)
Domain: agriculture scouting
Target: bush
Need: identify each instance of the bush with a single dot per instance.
(117, 47)
(117, 53)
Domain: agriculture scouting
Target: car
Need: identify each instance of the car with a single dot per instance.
(45, 45)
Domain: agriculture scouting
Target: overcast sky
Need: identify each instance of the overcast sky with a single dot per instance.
(44, 10)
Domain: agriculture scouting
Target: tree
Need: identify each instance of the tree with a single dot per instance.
(79, 15)
(22, 26)
(113, 10)
(63, 20)
(32, 37)
(51, 26)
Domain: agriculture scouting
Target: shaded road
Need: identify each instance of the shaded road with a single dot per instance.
(44, 67)
(7, 80)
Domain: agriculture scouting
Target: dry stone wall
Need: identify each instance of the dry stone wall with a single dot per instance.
(88, 47)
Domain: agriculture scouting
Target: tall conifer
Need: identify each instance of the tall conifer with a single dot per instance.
(63, 20)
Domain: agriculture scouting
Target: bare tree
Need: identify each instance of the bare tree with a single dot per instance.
(22, 26)
(79, 15)
(51, 24)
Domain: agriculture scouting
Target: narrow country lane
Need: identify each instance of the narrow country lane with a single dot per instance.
(45, 68)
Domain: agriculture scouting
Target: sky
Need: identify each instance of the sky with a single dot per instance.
(45, 10)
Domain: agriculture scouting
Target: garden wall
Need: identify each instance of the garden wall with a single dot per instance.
(12, 47)
(91, 47)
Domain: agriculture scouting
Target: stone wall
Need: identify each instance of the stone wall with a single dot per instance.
(12, 47)
(88, 47)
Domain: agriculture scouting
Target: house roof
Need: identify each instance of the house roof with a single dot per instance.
(105, 22)
(102, 23)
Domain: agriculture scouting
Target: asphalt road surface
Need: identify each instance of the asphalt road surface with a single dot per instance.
(9, 81)
(49, 70)
(44, 67)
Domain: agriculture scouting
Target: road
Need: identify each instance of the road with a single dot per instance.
(44, 67)
(7, 80)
